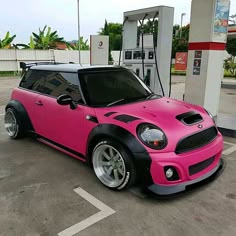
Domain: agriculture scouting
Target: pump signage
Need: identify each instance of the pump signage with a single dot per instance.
(197, 62)
(99, 49)
(181, 59)
(221, 20)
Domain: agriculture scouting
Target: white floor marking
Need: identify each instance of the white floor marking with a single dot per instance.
(2, 114)
(230, 149)
(104, 212)
(232, 144)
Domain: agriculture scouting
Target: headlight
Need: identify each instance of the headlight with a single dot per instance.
(152, 136)
(212, 117)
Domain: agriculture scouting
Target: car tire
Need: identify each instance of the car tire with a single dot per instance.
(12, 124)
(113, 166)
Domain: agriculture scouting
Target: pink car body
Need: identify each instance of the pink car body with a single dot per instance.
(72, 130)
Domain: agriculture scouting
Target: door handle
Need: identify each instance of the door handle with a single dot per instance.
(39, 103)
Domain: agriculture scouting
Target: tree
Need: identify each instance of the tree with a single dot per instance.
(180, 44)
(44, 40)
(148, 28)
(114, 31)
(231, 46)
(75, 46)
(229, 63)
(7, 41)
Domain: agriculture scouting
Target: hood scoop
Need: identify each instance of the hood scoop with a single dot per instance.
(190, 118)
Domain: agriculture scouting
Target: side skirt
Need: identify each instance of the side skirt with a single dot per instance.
(62, 148)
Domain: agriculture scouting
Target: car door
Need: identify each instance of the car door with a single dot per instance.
(28, 93)
(61, 124)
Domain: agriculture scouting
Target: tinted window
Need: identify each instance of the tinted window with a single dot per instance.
(104, 87)
(33, 80)
(58, 83)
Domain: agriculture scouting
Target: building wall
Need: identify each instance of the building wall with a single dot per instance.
(11, 58)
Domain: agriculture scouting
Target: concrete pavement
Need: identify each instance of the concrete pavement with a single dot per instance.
(37, 197)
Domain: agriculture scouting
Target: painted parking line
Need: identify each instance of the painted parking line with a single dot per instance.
(104, 212)
(230, 149)
(228, 143)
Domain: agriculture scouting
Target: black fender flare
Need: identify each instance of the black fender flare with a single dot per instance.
(139, 154)
(21, 115)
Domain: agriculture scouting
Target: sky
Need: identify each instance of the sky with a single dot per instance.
(22, 17)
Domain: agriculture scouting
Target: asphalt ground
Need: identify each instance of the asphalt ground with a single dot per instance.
(37, 195)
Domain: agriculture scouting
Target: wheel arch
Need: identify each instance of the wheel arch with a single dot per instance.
(137, 151)
(22, 114)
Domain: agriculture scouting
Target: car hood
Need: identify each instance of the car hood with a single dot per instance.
(164, 113)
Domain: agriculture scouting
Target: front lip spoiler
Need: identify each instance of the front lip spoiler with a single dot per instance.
(179, 189)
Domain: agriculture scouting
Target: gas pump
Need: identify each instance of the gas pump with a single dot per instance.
(150, 63)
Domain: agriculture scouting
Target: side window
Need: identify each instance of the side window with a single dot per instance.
(58, 83)
(33, 80)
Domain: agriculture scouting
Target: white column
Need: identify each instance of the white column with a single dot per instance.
(207, 40)
(164, 46)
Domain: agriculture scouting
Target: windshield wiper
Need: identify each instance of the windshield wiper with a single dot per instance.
(151, 95)
(147, 97)
(115, 102)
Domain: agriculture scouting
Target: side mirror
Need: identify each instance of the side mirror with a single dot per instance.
(65, 100)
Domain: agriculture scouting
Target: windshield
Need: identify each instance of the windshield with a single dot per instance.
(108, 87)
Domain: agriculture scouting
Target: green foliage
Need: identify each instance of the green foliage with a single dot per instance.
(114, 31)
(180, 44)
(231, 46)
(148, 28)
(230, 65)
(6, 42)
(83, 45)
(45, 39)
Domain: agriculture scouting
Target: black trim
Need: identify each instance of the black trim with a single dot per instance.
(194, 169)
(92, 119)
(110, 113)
(101, 69)
(21, 115)
(190, 118)
(204, 138)
(62, 147)
(139, 154)
(25, 66)
(126, 118)
(175, 173)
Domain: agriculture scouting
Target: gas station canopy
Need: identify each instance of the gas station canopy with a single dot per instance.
(136, 15)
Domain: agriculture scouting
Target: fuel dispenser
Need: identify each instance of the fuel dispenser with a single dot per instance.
(150, 63)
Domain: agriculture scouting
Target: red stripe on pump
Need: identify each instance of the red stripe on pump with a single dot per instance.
(206, 46)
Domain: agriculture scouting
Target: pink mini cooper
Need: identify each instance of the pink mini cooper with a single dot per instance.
(106, 116)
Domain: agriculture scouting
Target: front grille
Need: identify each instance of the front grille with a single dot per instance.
(196, 140)
(194, 169)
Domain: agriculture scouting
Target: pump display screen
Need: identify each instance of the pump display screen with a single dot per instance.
(138, 55)
(128, 55)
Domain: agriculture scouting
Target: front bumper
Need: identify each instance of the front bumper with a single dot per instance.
(206, 162)
(174, 190)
